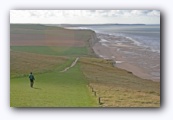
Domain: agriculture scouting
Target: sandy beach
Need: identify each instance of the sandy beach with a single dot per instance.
(127, 55)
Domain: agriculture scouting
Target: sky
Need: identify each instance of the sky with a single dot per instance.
(85, 16)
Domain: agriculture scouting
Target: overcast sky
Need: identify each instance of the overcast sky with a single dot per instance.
(85, 16)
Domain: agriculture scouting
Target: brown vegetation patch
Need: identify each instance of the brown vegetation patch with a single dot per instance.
(119, 88)
(49, 36)
(22, 63)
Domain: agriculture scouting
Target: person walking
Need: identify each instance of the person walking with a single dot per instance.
(31, 77)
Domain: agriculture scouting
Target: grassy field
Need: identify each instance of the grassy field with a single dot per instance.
(53, 50)
(57, 49)
(52, 89)
(22, 63)
(48, 50)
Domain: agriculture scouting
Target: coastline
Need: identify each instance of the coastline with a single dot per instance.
(141, 62)
(124, 57)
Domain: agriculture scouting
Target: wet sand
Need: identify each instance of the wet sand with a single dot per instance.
(141, 61)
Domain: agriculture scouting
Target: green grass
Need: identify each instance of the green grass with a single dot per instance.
(53, 50)
(54, 89)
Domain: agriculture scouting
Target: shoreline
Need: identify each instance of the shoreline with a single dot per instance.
(122, 55)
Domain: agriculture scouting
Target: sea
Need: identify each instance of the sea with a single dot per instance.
(138, 44)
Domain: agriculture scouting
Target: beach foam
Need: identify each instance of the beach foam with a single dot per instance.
(103, 41)
(105, 44)
(134, 41)
(117, 62)
(130, 52)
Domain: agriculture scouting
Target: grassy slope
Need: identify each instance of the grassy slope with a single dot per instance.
(22, 63)
(116, 87)
(119, 88)
(52, 88)
(53, 50)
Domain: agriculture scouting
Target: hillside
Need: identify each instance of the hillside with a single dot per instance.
(92, 82)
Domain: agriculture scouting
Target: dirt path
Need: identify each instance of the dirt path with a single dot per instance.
(73, 64)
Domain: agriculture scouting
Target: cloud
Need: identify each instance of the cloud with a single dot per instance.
(34, 13)
(145, 13)
(81, 16)
(126, 13)
(85, 13)
(154, 13)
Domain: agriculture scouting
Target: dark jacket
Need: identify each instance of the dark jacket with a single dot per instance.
(31, 77)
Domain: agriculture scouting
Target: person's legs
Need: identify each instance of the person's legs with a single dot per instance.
(31, 83)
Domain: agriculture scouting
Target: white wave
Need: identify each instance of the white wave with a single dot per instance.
(104, 57)
(119, 43)
(103, 40)
(142, 45)
(83, 28)
(155, 66)
(118, 49)
(151, 49)
(134, 41)
(101, 56)
(105, 44)
(157, 51)
(119, 62)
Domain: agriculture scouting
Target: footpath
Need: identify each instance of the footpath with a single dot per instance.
(72, 65)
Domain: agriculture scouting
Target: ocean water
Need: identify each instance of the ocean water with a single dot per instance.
(137, 45)
(143, 35)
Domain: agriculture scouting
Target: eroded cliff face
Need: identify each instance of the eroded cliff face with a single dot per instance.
(93, 39)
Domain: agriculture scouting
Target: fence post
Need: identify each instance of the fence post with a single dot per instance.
(100, 100)
(94, 93)
(92, 89)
